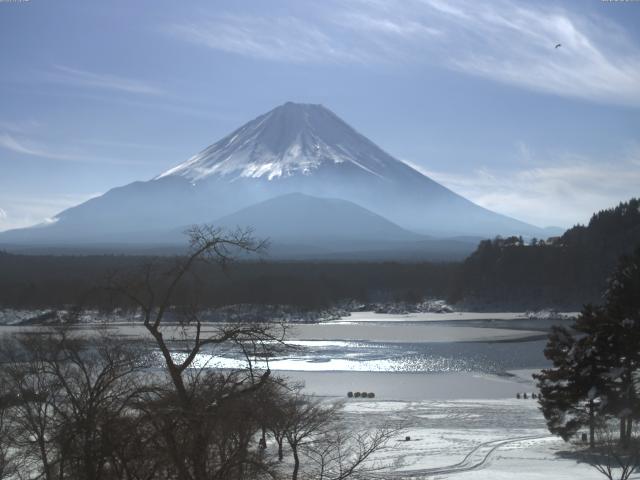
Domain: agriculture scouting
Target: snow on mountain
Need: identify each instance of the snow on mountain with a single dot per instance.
(294, 148)
(290, 139)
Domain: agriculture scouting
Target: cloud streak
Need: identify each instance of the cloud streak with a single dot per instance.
(288, 39)
(13, 144)
(83, 78)
(9, 142)
(515, 45)
(505, 41)
(25, 211)
(559, 195)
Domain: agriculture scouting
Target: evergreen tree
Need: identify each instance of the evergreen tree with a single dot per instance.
(574, 390)
(623, 328)
(558, 399)
(596, 362)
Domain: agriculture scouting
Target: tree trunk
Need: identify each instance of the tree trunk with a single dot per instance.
(45, 459)
(280, 454)
(592, 426)
(623, 431)
(199, 457)
(296, 463)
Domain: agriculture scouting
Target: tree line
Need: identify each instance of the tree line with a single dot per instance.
(43, 282)
(565, 272)
(503, 273)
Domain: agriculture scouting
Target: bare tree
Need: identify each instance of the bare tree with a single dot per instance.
(340, 455)
(306, 420)
(199, 404)
(154, 288)
(69, 390)
(32, 410)
(273, 412)
(320, 443)
(8, 457)
(612, 459)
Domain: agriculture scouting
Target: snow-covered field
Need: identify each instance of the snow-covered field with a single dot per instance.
(468, 439)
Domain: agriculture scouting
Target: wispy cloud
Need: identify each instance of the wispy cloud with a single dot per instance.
(277, 38)
(562, 195)
(503, 40)
(22, 127)
(9, 142)
(25, 211)
(28, 147)
(514, 44)
(83, 78)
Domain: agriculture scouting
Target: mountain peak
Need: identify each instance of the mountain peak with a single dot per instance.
(293, 148)
(293, 106)
(292, 139)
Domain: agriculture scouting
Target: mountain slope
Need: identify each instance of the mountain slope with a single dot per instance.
(293, 148)
(303, 218)
(305, 227)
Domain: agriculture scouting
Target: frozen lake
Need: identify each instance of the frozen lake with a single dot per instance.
(421, 357)
(418, 343)
(409, 357)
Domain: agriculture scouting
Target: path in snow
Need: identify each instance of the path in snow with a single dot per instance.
(474, 460)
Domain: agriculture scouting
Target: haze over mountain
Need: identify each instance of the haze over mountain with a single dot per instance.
(294, 148)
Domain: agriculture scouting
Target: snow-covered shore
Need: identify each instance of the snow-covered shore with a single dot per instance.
(462, 439)
(469, 439)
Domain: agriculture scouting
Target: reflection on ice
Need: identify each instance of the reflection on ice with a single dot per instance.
(321, 343)
(312, 364)
(362, 356)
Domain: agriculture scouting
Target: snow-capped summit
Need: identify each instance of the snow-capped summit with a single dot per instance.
(291, 139)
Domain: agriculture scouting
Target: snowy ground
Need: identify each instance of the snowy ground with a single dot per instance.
(413, 386)
(468, 439)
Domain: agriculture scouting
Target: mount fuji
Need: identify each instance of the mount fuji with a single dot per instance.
(295, 148)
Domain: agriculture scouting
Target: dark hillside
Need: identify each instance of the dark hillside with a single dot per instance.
(30, 281)
(564, 272)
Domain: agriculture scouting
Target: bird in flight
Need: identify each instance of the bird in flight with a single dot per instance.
(558, 45)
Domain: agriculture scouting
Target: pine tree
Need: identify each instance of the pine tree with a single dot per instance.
(572, 392)
(596, 362)
(558, 399)
(623, 327)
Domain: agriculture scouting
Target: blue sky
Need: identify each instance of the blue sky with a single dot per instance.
(100, 94)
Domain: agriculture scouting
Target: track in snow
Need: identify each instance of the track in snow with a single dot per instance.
(474, 460)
